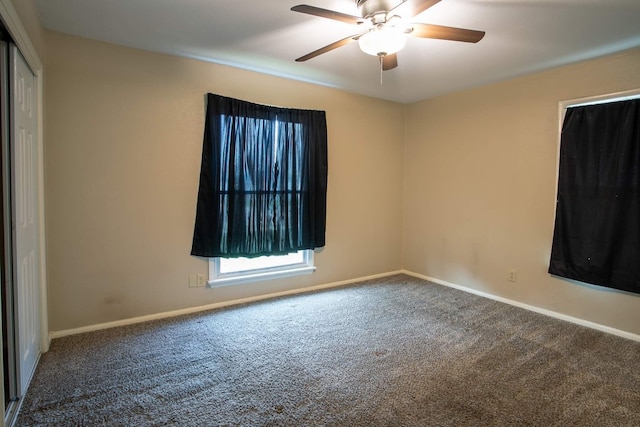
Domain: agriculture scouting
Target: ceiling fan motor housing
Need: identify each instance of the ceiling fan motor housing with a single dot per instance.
(369, 8)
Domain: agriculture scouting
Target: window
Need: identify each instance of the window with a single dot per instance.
(227, 271)
(262, 193)
(597, 226)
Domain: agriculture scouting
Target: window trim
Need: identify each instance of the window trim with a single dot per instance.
(218, 279)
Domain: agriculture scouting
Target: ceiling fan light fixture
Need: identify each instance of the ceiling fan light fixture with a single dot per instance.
(382, 41)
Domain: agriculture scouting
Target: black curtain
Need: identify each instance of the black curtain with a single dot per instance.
(597, 230)
(263, 180)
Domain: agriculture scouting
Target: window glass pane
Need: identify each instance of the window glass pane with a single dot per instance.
(232, 265)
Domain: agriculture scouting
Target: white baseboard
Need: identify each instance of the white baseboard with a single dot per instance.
(533, 308)
(190, 310)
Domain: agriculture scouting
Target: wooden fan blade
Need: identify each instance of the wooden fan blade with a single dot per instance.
(429, 31)
(329, 47)
(411, 8)
(389, 62)
(325, 13)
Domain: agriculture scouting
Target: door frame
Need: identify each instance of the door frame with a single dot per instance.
(21, 38)
(13, 24)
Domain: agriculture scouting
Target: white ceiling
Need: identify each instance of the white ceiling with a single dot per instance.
(522, 36)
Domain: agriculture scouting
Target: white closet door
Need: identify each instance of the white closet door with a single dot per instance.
(25, 194)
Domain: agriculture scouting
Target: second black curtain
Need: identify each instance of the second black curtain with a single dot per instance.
(597, 229)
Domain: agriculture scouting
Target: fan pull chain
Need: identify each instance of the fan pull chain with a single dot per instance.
(381, 69)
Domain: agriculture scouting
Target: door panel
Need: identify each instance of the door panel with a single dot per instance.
(25, 201)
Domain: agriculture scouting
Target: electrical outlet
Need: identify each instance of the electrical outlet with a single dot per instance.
(512, 275)
(202, 280)
(192, 281)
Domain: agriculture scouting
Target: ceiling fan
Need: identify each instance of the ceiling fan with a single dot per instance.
(385, 28)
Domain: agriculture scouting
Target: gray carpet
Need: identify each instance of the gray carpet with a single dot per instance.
(396, 351)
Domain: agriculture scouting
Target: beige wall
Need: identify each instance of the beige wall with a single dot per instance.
(478, 167)
(123, 145)
(30, 19)
(480, 178)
